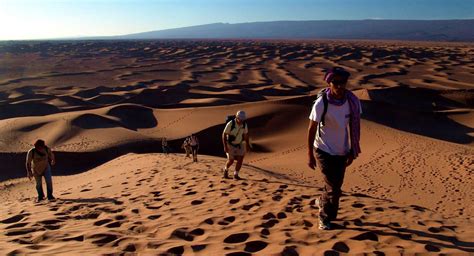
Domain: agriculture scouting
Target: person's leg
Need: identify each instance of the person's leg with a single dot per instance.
(195, 152)
(228, 164)
(230, 160)
(333, 169)
(49, 182)
(334, 180)
(39, 187)
(238, 165)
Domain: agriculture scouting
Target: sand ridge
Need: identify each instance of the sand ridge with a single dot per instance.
(142, 203)
(103, 107)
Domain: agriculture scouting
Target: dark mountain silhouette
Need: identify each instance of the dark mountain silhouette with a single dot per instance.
(424, 30)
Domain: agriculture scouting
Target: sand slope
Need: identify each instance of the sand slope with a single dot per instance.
(167, 204)
(103, 107)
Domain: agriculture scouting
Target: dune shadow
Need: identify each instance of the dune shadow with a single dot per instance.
(418, 111)
(374, 230)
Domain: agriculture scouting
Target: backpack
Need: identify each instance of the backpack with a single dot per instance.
(231, 118)
(325, 109)
(33, 151)
(231, 138)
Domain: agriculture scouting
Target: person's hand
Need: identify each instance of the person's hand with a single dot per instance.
(53, 162)
(350, 159)
(30, 174)
(226, 148)
(312, 162)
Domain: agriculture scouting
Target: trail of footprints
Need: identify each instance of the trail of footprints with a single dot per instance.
(271, 208)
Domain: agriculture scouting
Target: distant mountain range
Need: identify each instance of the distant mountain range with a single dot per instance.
(423, 30)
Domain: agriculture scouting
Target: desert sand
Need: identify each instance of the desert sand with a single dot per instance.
(103, 107)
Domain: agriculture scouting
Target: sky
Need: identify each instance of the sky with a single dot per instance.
(45, 19)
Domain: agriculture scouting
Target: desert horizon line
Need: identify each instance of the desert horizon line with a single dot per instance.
(125, 34)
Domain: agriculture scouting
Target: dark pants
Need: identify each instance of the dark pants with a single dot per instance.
(49, 184)
(333, 169)
(194, 150)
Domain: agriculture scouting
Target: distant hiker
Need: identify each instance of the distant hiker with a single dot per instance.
(187, 146)
(194, 143)
(38, 164)
(164, 146)
(329, 141)
(234, 135)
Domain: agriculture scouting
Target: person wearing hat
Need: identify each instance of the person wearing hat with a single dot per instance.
(330, 143)
(236, 142)
(38, 164)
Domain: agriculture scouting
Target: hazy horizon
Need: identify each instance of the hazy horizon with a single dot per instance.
(56, 19)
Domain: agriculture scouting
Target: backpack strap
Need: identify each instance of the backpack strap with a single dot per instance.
(325, 110)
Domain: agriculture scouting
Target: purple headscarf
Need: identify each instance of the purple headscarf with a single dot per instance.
(336, 71)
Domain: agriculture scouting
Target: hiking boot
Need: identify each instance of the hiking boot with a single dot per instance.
(226, 175)
(237, 177)
(39, 199)
(51, 198)
(324, 225)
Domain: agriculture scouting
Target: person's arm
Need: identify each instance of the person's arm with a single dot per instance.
(350, 158)
(313, 126)
(224, 142)
(29, 158)
(52, 157)
(225, 133)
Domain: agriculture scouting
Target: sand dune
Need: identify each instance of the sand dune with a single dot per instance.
(166, 204)
(103, 107)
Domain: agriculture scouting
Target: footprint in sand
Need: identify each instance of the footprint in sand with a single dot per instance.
(154, 217)
(255, 246)
(115, 224)
(102, 222)
(197, 202)
(178, 250)
(198, 247)
(290, 251)
(236, 238)
(226, 221)
(17, 225)
(103, 238)
(182, 233)
(366, 236)
(341, 247)
(22, 231)
(14, 219)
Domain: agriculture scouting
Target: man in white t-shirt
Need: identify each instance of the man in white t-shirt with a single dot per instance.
(236, 142)
(333, 139)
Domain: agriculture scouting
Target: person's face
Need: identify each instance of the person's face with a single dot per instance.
(239, 121)
(338, 86)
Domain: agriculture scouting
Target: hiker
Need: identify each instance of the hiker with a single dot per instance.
(194, 143)
(38, 164)
(164, 145)
(329, 142)
(234, 135)
(186, 146)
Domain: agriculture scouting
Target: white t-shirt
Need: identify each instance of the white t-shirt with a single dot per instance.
(238, 131)
(334, 137)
